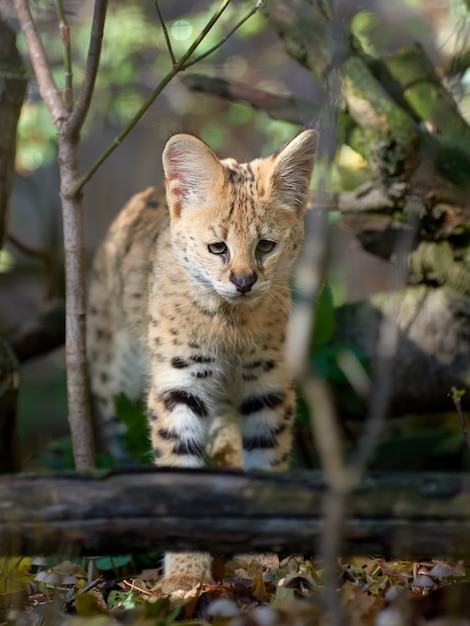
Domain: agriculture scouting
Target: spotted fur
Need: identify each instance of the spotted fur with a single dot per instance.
(189, 304)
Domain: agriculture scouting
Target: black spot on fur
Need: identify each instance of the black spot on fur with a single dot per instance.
(168, 435)
(264, 441)
(253, 365)
(288, 414)
(200, 358)
(249, 377)
(179, 363)
(180, 396)
(256, 403)
(202, 374)
(281, 460)
(153, 417)
(188, 447)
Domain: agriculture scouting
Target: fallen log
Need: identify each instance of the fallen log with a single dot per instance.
(225, 512)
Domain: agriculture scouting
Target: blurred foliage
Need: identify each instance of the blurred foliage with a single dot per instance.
(136, 438)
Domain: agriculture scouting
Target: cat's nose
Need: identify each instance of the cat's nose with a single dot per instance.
(244, 283)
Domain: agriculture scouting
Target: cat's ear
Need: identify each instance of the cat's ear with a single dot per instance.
(292, 169)
(192, 172)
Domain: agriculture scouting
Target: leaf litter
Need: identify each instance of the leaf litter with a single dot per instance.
(252, 590)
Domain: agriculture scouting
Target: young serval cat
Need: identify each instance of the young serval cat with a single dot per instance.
(189, 303)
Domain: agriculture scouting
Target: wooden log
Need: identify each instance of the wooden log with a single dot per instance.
(225, 512)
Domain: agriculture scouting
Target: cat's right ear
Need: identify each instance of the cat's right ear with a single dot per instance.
(192, 173)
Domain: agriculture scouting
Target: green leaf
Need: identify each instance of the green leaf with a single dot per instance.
(106, 563)
(325, 323)
(136, 436)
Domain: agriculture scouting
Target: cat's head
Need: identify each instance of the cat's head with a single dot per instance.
(237, 228)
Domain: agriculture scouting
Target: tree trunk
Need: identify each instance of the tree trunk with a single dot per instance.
(12, 90)
(13, 83)
(226, 512)
(433, 347)
(75, 299)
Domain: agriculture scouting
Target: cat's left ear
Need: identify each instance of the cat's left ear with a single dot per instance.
(292, 169)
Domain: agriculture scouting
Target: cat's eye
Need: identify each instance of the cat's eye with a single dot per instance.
(265, 246)
(217, 248)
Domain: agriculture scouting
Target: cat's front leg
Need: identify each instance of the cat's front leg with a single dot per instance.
(179, 413)
(267, 409)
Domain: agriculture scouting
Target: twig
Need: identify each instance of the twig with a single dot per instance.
(165, 34)
(65, 34)
(89, 587)
(44, 256)
(177, 67)
(202, 35)
(224, 38)
(41, 255)
(91, 68)
(47, 87)
(456, 395)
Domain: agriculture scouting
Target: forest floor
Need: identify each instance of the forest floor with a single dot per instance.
(253, 591)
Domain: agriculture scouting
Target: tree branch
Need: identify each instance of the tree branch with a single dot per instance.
(165, 34)
(40, 335)
(179, 66)
(225, 37)
(65, 34)
(91, 69)
(47, 87)
(285, 108)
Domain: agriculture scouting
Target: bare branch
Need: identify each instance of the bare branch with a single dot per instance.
(91, 69)
(224, 38)
(165, 33)
(278, 107)
(47, 87)
(41, 334)
(181, 64)
(178, 67)
(65, 34)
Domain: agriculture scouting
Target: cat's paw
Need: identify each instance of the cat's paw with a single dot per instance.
(178, 586)
(184, 571)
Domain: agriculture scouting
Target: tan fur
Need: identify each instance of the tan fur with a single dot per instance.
(202, 333)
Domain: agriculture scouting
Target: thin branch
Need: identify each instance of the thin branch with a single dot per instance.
(166, 34)
(65, 34)
(180, 66)
(44, 256)
(224, 38)
(280, 107)
(47, 87)
(91, 68)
